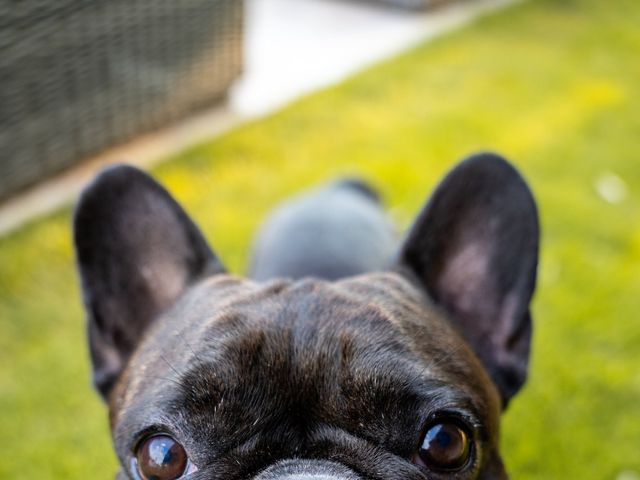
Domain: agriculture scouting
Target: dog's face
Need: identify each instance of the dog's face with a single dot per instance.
(392, 375)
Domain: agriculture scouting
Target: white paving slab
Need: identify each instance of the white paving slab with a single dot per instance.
(293, 47)
(296, 46)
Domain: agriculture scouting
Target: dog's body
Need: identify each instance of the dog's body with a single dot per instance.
(331, 367)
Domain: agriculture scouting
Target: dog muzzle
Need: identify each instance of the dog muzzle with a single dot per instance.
(307, 470)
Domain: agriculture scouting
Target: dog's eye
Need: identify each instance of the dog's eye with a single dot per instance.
(445, 446)
(160, 457)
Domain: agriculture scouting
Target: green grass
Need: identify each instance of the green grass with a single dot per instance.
(554, 85)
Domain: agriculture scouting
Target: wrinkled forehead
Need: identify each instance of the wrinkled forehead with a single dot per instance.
(229, 336)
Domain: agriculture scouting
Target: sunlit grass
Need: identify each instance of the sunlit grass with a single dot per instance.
(553, 85)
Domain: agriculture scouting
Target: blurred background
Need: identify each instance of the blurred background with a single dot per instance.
(234, 105)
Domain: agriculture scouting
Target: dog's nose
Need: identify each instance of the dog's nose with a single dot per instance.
(301, 469)
(307, 476)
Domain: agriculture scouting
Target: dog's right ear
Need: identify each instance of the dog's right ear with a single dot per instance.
(137, 251)
(474, 248)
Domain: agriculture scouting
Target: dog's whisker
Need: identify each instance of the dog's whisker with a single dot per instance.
(191, 348)
(446, 356)
(157, 377)
(170, 366)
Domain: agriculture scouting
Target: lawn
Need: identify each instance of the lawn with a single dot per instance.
(554, 85)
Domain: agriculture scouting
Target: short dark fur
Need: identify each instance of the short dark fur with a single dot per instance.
(323, 373)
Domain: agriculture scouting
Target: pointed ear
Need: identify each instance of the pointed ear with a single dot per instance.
(474, 248)
(137, 251)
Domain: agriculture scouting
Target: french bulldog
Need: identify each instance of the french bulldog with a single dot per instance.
(347, 355)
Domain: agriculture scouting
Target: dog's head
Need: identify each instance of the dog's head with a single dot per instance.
(392, 375)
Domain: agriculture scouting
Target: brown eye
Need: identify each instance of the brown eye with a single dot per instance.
(160, 457)
(446, 446)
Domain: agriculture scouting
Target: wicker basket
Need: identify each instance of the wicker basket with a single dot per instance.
(78, 76)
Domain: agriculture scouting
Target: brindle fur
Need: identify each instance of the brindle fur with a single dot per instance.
(305, 378)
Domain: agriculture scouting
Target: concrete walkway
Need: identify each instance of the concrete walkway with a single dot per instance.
(293, 47)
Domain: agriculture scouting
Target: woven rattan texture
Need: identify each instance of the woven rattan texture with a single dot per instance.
(78, 76)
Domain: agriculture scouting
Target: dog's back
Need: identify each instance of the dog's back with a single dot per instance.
(332, 232)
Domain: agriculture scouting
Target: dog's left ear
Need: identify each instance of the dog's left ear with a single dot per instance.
(474, 248)
(137, 251)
